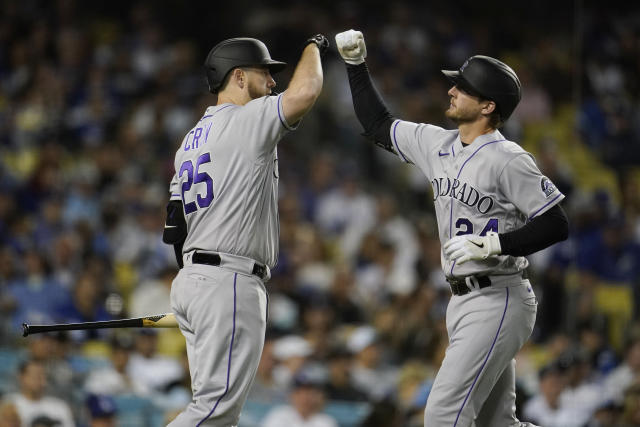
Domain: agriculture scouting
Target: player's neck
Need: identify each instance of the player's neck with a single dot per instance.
(471, 130)
(229, 97)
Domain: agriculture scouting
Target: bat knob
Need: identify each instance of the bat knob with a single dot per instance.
(25, 329)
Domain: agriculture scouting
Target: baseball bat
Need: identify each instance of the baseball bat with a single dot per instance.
(167, 320)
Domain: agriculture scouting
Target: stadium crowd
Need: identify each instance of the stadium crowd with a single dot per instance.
(95, 98)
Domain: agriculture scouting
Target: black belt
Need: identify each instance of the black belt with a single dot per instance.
(215, 260)
(459, 284)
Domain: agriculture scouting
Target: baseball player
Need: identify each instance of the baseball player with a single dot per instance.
(493, 207)
(222, 219)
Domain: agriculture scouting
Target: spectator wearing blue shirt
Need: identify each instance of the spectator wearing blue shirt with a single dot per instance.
(86, 305)
(35, 295)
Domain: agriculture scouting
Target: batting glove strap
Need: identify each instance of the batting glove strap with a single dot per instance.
(351, 46)
(471, 247)
(321, 41)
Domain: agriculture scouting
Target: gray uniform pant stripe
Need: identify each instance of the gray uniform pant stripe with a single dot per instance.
(233, 335)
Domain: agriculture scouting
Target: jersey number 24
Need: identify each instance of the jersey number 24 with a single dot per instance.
(492, 225)
(195, 177)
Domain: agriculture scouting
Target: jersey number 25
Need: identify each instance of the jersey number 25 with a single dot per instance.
(195, 177)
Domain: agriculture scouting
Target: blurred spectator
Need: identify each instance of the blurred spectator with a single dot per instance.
(370, 374)
(149, 369)
(626, 374)
(339, 382)
(607, 414)
(545, 407)
(400, 234)
(342, 296)
(291, 353)
(51, 349)
(102, 411)
(37, 297)
(347, 213)
(152, 296)
(265, 388)
(306, 402)
(114, 378)
(86, 305)
(582, 395)
(31, 402)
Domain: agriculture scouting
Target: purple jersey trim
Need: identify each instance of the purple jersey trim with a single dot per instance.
(206, 117)
(233, 334)
(395, 142)
(486, 359)
(538, 211)
(453, 152)
(281, 115)
(459, 172)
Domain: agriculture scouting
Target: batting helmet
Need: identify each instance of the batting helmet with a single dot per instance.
(233, 53)
(489, 78)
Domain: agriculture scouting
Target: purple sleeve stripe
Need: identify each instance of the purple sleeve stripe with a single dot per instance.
(175, 195)
(506, 304)
(547, 204)
(207, 116)
(395, 142)
(233, 334)
(281, 115)
(454, 153)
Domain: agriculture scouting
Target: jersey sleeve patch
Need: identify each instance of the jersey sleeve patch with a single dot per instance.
(547, 186)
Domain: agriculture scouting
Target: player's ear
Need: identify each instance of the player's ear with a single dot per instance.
(489, 107)
(239, 77)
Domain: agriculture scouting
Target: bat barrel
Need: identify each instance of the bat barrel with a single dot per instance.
(122, 323)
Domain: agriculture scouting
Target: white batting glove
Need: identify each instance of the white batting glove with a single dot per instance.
(471, 247)
(351, 46)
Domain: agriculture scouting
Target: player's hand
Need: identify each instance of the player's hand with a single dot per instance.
(351, 46)
(471, 247)
(321, 41)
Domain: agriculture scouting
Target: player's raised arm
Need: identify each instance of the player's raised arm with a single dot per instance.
(306, 84)
(367, 102)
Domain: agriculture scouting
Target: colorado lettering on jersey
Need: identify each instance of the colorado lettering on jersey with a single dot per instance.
(465, 193)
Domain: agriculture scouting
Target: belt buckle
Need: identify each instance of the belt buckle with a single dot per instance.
(472, 283)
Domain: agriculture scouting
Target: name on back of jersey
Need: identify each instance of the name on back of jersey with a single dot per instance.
(461, 191)
(196, 137)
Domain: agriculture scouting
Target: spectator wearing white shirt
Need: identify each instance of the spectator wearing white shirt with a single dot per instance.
(114, 378)
(545, 407)
(150, 369)
(32, 403)
(305, 409)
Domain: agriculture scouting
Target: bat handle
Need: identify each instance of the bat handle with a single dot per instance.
(25, 329)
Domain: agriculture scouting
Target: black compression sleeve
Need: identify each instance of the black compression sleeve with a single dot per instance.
(369, 106)
(549, 228)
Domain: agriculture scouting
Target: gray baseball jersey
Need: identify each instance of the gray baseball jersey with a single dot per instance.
(227, 179)
(490, 185)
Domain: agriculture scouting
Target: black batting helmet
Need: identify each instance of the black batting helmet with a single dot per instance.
(489, 78)
(237, 52)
